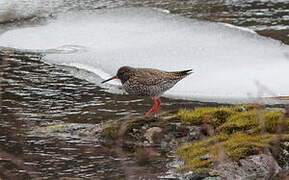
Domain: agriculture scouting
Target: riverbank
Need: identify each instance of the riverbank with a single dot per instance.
(239, 141)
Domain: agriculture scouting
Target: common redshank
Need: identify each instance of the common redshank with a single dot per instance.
(148, 82)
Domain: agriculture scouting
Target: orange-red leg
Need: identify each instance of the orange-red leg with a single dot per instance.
(155, 107)
(158, 104)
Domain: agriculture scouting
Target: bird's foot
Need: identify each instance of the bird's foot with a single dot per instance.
(151, 111)
(156, 106)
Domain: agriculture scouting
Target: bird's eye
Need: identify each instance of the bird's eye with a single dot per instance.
(120, 74)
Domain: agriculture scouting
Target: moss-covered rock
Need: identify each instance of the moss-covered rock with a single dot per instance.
(240, 121)
(110, 132)
(203, 138)
(211, 115)
(241, 145)
(192, 154)
(239, 131)
(136, 131)
(275, 121)
(255, 120)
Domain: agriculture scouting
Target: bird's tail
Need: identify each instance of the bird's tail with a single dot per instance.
(184, 73)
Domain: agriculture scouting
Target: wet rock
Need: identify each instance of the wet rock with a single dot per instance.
(261, 166)
(283, 156)
(71, 128)
(164, 130)
(253, 167)
(183, 176)
(63, 130)
(152, 133)
(175, 134)
(146, 135)
(175, 175)
(194, 133)
(212, 178)
(145, 155)
(205, 157)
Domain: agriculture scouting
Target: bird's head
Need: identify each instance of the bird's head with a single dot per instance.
(123, 73)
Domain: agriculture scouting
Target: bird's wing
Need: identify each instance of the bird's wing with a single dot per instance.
(152, 77)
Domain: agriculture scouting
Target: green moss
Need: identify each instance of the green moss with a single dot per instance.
(274, 120)
(241, 121)
(254, 120)
(192, 154)
(241, 145)
(241, 131)
(110, 133)
(211, 115)
(235, 147)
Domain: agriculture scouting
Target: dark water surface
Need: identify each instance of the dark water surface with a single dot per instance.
(34, 93)
(37, 94)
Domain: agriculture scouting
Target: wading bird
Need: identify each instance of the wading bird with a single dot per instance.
(148, 82)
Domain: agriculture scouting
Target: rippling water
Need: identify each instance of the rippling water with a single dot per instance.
(38, 94)
(35, 93)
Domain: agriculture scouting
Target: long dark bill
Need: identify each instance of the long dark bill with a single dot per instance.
(114, 77)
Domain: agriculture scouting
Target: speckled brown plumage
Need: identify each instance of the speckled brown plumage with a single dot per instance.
(148, 82)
